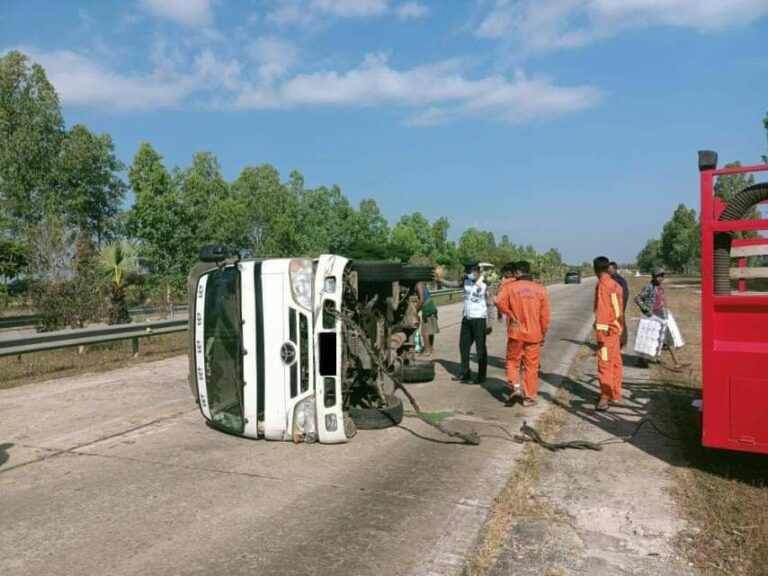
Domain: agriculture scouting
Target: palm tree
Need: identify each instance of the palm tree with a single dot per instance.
(117, 260)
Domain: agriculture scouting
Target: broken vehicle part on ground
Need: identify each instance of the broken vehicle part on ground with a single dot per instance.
(302, 350)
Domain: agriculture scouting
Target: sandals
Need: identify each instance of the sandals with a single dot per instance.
(528, 402)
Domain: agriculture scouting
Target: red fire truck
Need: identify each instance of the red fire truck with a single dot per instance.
(734, 314)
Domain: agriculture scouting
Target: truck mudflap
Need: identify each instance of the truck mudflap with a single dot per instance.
(329, 289)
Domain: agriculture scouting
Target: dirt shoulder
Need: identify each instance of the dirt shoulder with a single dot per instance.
(597, 513)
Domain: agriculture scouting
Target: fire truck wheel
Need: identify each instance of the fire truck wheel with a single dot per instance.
(378, 418)
(419, 372)
(417, 274)
(371, 271)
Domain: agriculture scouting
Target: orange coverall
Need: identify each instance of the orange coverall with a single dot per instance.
(526, 304)
(502, 293)
(608, 328)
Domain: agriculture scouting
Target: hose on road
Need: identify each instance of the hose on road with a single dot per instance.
(472, 438)
(531, 435)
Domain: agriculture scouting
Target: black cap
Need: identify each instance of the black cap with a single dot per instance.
(471, 265)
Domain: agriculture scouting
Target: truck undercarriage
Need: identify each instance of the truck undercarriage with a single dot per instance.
(298, 386)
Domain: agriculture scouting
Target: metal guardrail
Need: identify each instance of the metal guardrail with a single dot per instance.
(145, 310)
(34, 320)
(19, 321)
(71, 338)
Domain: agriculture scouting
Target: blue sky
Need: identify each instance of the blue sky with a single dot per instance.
(565, 123)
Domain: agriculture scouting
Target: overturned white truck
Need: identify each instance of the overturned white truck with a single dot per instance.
(300, 349)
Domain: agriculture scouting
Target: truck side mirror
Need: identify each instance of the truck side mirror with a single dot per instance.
(214, 253)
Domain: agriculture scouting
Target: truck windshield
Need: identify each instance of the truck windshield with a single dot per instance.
(223, 349)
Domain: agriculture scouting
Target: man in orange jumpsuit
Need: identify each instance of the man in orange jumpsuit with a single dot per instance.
(526, 304)
(608, 328)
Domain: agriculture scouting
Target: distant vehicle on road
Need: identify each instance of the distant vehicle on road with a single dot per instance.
(299, 349)
(573, 277)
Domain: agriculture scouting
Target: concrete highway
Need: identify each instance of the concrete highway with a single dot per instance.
(116, 473)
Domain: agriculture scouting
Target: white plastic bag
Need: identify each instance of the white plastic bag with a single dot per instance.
(674, 331)
(418, 342)
(650, 336)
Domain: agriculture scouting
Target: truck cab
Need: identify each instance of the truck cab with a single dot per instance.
(300, 349)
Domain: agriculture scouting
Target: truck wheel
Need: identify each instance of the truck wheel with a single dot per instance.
(417, 273)
(372, 271)
(350, 430)
(418, 372)
(378, 418)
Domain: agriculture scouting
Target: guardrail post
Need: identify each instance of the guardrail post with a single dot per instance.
(135, 347)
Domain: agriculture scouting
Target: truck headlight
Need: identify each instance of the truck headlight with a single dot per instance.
(305, 421)
(301, 282)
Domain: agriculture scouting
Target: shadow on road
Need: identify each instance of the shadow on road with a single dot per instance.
(494, 386)
(668, 405)
(4, 452)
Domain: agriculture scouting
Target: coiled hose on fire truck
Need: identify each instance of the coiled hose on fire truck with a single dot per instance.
(735, 210)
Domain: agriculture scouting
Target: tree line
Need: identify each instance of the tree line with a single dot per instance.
(678, 248)
(67, 239)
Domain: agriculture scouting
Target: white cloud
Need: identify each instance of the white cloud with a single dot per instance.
(411, 10)
(189, 13)
(441, 89)
(273, 57)
(308, 13)
(543, 25)
(82, 81)
(430, 94)
(351, 8)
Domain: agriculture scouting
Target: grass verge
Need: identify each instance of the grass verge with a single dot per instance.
(518, 498)
(23, 369)
(723, 494)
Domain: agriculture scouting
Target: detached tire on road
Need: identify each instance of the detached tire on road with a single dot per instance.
(418, 372)
(372, 271)
(378, 418)
(417, 273)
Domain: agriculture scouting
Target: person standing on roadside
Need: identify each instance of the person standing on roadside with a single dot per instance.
(526, 305)
(652, 301)
(478, 308)
(429, 326)
(608, 328)
(613, 270)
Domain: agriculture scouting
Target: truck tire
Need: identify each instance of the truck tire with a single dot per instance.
(418, 372)
(417, 274)
(373, 271)
(378, 418)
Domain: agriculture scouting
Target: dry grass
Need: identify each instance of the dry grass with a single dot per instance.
(23, 369)
(518, 498)
(724, 494)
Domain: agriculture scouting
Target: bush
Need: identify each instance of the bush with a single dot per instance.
(56, 304)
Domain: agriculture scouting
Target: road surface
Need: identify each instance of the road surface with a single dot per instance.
(116, 473)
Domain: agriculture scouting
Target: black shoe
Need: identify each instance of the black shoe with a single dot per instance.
(462, 378)
(478, 379)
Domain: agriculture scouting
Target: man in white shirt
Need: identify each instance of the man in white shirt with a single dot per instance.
(478, 308)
